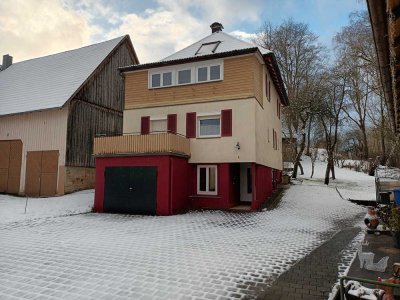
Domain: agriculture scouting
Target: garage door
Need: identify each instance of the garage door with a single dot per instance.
(41, 173)
(131, 190)
(10, 166)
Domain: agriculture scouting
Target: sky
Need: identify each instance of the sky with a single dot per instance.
(158, 28)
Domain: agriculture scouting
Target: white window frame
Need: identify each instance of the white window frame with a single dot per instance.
(158, 119)
(206, 117)
(208, 66)
(161, 72)
(193, 73)
(207, 192)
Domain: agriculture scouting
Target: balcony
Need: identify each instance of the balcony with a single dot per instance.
(136, 144)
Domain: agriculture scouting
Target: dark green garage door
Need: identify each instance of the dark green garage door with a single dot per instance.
(131, 190)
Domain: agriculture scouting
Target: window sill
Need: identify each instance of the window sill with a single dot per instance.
(209, 137)
(205, 195)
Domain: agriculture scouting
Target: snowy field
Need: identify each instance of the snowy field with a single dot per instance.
(12, 209)
(199, 255)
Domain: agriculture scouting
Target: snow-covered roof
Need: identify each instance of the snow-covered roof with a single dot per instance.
(217, 42)
(49, 81)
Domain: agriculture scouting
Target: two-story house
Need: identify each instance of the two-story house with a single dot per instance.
(201, 129)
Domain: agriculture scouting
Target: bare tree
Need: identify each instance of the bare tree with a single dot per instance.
(330, 115)
(355, 47)
(300, 58)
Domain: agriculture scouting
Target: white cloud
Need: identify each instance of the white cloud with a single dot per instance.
(35, 28)
(246, 36)
(30, 29)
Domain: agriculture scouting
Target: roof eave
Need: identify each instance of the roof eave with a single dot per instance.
(272, 65)
(187, 60)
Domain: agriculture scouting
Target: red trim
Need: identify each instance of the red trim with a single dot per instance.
(226, 122)
(191, 125)
(171, 123)
(145, 125)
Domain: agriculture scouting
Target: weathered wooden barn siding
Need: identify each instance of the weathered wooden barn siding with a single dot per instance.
(97, 108)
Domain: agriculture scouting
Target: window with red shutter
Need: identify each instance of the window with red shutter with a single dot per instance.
(145, 125)
(171, 123)
(191, 125)
(226, 122)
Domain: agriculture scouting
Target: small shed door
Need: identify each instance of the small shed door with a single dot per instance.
(10, 166)
(131, 190)
(41, 173)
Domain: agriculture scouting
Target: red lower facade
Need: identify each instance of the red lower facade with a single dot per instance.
(178, 185)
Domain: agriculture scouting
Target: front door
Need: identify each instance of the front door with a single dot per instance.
(131, 190)
(246, 186)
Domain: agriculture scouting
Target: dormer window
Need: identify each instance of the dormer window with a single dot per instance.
(208, 48)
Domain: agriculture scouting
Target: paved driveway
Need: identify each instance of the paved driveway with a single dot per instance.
(200, 255)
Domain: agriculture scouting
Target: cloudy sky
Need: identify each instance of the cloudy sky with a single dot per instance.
(33, 28)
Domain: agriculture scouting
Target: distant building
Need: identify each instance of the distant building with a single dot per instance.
(202, 129)
(50, 110)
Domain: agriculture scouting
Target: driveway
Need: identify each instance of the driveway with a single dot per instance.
(199, 255)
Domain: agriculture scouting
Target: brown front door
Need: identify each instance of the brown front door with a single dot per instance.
(41, 173)
(10, 166)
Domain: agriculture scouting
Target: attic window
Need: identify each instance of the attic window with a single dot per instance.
(208, 48)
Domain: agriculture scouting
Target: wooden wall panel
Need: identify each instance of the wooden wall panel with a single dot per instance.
(97, 108)
(14, 173)
(238, 83)
(33, 169)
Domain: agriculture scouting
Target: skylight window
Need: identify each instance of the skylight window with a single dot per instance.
(208, 48)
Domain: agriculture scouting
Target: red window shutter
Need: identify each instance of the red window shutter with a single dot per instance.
(226, 122)
(171, 123)
(145, 125)
(191, 125)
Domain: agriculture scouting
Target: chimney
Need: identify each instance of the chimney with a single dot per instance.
(216, 27)
(7, 61)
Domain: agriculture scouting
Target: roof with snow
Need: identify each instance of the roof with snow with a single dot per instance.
(50, 81)
(217, 42)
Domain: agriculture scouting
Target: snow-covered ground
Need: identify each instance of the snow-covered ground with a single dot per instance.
(12, 208)
(199, 255)
(351, 184)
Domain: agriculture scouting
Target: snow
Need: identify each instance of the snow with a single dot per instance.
(198, 255)
(12, 208)
(351, 184)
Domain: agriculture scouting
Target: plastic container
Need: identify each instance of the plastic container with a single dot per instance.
(397, 197)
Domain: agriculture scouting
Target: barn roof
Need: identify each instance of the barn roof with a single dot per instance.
(50, 81)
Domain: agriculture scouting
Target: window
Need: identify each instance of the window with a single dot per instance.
(161, 79)
(155, 80)
(215, 73)
(184, 76)
(167, 79)
(202, 74)
(209, 73)
(207, 180)
(209, 126)
(208, 48)
(158, 125)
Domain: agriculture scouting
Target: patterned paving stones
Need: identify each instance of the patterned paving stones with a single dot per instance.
(199, 255)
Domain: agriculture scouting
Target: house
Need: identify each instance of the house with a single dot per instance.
(201, 129)
(50, 110)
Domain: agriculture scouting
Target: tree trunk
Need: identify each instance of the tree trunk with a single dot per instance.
(312, 169)
(301, 169)
(328, 169)
(308, 137)
(333, 169)
(299, 154)
(365, 143)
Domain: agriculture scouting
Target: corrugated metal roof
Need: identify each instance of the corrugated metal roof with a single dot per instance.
(49, 81)
(227, 43)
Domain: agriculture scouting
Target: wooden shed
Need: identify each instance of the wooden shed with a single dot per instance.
(50, 110)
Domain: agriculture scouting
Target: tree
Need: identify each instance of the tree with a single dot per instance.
(300, 59)
(355, 49)
(331, 111)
